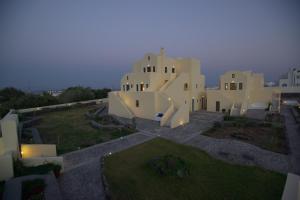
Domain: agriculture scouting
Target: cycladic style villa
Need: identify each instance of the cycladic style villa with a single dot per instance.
(171, 88)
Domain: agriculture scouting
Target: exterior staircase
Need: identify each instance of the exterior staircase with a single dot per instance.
(235, 109)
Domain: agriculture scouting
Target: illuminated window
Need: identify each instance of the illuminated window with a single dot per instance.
(240, 86)
(153, 69)
(226, 86)
(166, 69)
(137, 103)
(233, 75)
(186, 87)
(142, 87)
(232, 86)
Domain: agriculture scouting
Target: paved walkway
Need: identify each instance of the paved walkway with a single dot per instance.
(293, 135)
(82, 171)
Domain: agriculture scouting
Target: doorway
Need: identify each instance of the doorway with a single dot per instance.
(218, 106)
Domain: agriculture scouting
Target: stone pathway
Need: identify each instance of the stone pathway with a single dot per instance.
(293, 135)
(82, 171)
(241, 153)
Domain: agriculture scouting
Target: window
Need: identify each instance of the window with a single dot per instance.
(232, 75)
(142, 87)
(148, 69)
(144, 69)
(127, 77)
(166, 69)
(131, 85)
(137, 87)
(217, 106)
(232, 86)
(226, 86)
(196, 85)
(240, 86)
(153, 69)
(123, 87)
(137, 103)
(173, 70)
(147, 85)
(148, 58)
(127, 87)
(186, 87)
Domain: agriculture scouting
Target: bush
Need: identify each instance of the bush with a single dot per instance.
(169, 165)
(217, 124)
(21, 170)
(33, 189)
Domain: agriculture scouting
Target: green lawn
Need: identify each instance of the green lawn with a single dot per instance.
(129, 177)
(70, 129)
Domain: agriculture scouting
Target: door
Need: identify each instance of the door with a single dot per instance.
(218, 106)
(193, 105)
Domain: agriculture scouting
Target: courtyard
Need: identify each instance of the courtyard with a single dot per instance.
(70, 129)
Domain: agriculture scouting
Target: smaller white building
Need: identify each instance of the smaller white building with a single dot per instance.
(291, 79)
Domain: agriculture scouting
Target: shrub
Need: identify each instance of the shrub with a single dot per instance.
(228, 118)
(217, 124)
(21, 170)
(33, 189)
(169, 165)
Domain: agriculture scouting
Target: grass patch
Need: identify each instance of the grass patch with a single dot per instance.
(268, 134)
(70, 129)
(129, 177)
(33, 189)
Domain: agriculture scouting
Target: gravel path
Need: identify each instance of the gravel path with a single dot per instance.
(293, 135)
(241, 153)
(82, 171)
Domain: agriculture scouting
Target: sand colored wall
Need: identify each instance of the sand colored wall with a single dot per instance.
(181, 116)
(6, 166)
(36, 161)
(118, 107)
(38, 150)
(9, 128)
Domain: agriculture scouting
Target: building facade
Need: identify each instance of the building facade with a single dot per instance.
(240, 91)
(291, 79)
(160, 84)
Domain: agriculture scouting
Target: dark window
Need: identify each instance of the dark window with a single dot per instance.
(233, 75)
(217, 106)
(127, 87)
(232, 86)
(137, 103)
(186, 86)
(137, 87)
(240, 86)
(123, 87)
(131, 85)
(149, 58)
(127, 77)
(144, 69)
(147, 85)
(196, 85)
(142, 87)
(226, 86)
(173, 69)
(166, 69)
(0, 132)
(148, 69)
(153, 69)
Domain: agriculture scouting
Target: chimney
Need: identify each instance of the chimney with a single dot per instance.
(162, 51)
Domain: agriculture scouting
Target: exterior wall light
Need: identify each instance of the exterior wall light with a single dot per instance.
(169, 98)
(181, 122)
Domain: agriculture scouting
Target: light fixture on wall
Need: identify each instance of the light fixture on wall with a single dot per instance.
(169, 98)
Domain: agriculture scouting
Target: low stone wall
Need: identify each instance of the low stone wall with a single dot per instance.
(36, 161)
(28, 110)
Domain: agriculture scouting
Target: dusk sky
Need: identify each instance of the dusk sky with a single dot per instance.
(59, 43)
